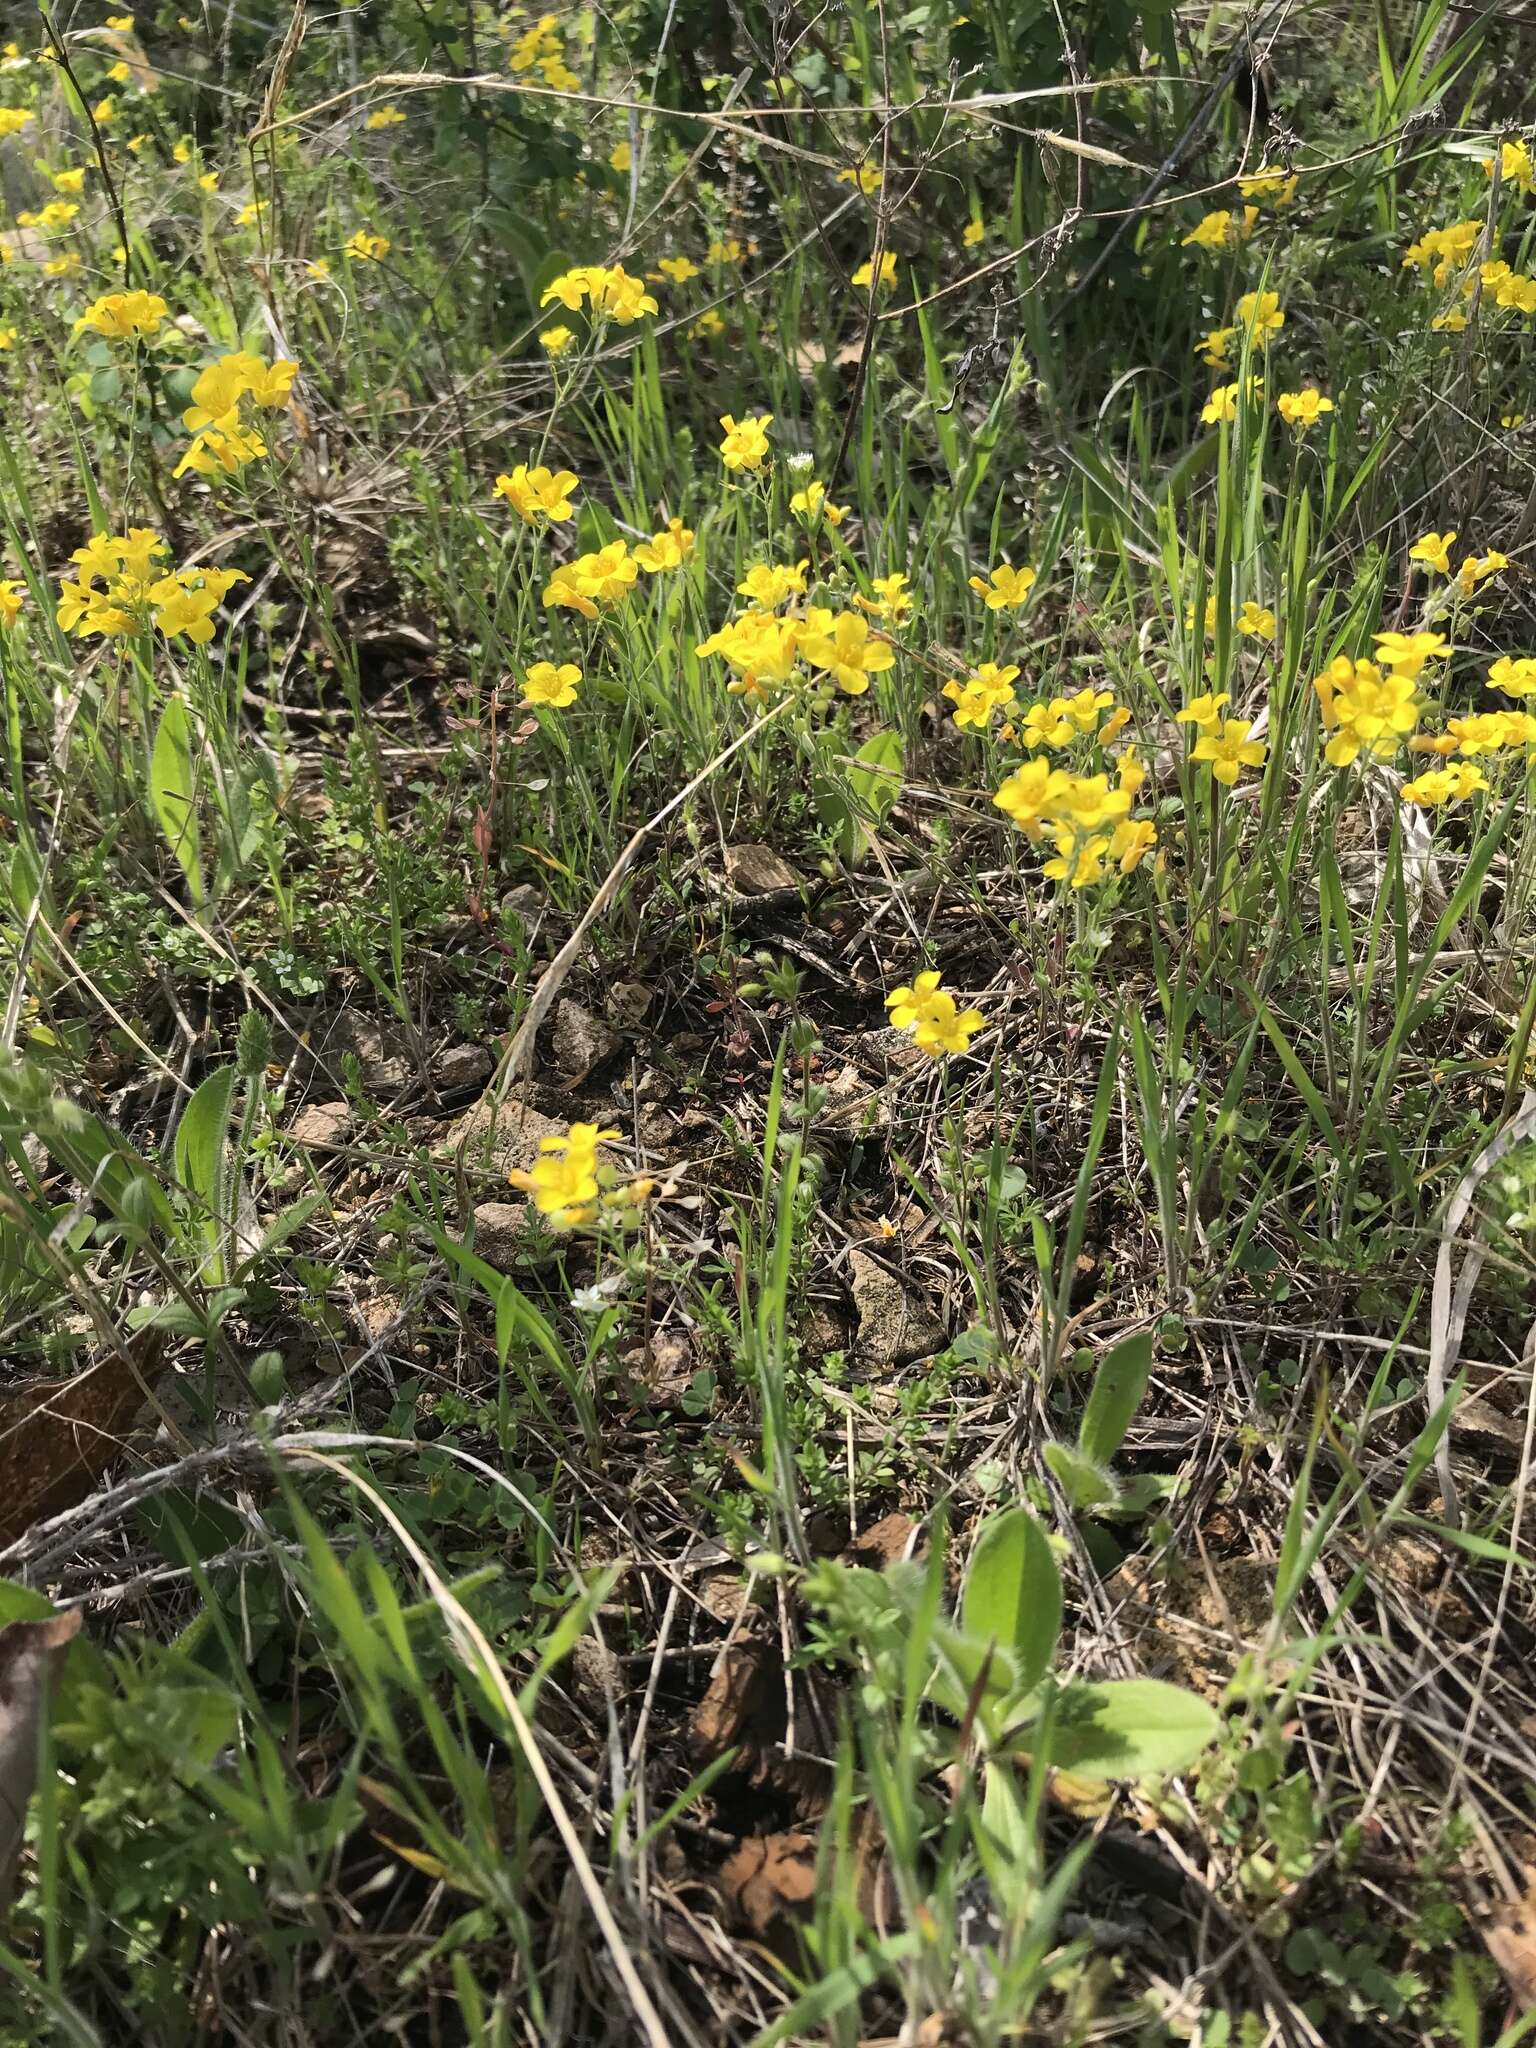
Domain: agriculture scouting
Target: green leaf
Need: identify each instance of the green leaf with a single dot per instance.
(851, 806)
(1118, 1385)
(201, 1158)
(20, 1603)
(1013, 1593)
(1131, 1728)
(1086, 1485)
(98, 1157)
(173, 792)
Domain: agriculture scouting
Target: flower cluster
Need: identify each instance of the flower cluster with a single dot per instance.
(1514, 675)
(1086, 817)
(538, 494)
(539, 48)
(569, 1184)
(607, 290)
(1432, 551)
(1222, 744)
(668, 549)
(1270, 185)
(929, 1013)
(593, 581)
(134, 596)
(864, 277)
(892, 600)
(1260, 314)
(223, 437)
(1221, 408)
(813, 504)
(1442, 250)
(761, 648)
(1515, 168)
(1223, 229)
(1438, 786)
(987, 690)
(1302, 409)
(1365, 709)
(746, 441)
(124, 316)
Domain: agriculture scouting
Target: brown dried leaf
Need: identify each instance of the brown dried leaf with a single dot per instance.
(58, 1436)
(883, 1543)
(1510, 1935)
(737, 1691)
(29, 1653)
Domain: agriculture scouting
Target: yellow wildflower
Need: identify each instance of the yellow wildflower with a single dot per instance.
(847, 652)
(987, 690)
(544, 683)
(1228, 749)
(536, 494)
(1004, 587)
(929, 1013)
(666, 550)
(746, 442)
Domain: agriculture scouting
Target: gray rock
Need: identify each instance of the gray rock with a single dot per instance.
(501, 1136)
(324, 1124)
(895, 1324)
(754, 870)
(627, 1001)
(580, 1041)
(381, 1050)
(525, 903)
(461, 1068)
(504, 1236)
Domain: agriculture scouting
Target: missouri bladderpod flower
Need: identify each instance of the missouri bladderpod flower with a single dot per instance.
(1228, 749)
(813, 503)
(538, 494)
(608, 290)
(929, 1012)
(1514, 675)
(848, 652)
(865, 274)
(1204, 710)
(1260, 313)
(1004, 587)
(1032, 795)
(1304, 408)
(746, 441)
(769, 583)
(563, 1182)
(124, 316)
(1475, 570)
(1364, 710)
(545, 682)
(1433, 551)
(595, 580)
(1447, 785)
(987, 690)
(1406, 653)
(1222, 405)
(666, 550)
(1220, 228)
(892, 600)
